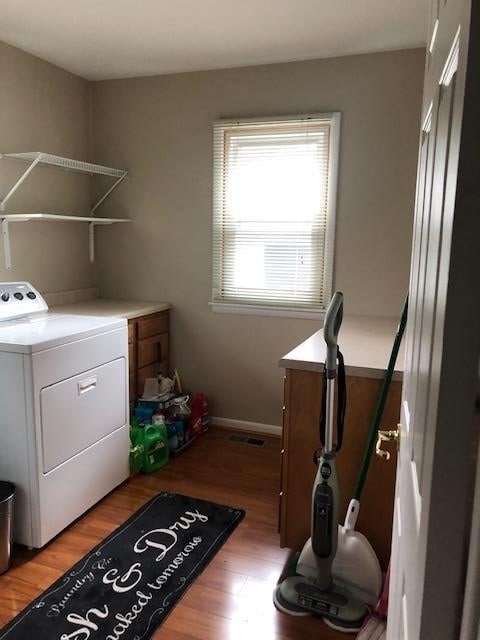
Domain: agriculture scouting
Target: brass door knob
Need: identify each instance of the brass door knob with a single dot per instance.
(386, 436)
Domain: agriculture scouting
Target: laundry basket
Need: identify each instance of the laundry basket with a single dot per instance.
(7, 492)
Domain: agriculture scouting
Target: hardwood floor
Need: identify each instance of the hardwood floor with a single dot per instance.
(232, 598)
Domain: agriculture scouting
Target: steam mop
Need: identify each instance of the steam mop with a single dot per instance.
(356, 565)
(319, 595)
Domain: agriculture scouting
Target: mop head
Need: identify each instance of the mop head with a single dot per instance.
(285, 606)
(373, 629)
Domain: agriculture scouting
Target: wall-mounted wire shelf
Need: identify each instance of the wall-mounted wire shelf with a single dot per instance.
(8, 218)
(39, 158)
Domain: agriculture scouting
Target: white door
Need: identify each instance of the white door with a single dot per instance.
(437, 434)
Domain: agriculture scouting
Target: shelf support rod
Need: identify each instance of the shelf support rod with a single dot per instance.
(19, 182)
(91, 241)
(6, 244)
(105, 196)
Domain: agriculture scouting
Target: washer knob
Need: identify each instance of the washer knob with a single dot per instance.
(18, 295)
(5, 297)
(31, 295)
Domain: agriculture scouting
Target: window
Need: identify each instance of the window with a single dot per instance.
(274, 213)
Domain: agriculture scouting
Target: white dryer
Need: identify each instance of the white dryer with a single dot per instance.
(63, 411)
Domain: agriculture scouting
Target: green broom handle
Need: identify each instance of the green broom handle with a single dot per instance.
(381, 403)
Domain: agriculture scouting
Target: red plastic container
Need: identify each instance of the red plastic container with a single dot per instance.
(199, 418)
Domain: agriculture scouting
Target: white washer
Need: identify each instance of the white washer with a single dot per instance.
(63, 411)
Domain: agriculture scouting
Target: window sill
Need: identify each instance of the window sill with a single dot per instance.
(273, 312)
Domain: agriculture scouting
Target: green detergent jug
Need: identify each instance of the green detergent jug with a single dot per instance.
(155, 442)
(136, 447)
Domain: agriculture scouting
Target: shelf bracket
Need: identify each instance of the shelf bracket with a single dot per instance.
(105, 196)
(91, 236)
(23, 177)
(6, 244)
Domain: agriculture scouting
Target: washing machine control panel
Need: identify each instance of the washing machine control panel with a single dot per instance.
(19, 299)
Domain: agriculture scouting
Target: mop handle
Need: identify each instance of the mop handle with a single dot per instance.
(331, 327)
(381, 403)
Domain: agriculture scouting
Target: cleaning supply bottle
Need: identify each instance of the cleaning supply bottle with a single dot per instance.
(155, 447)
(204, 407)
(134, 428)
(138, 416)
(181, 414)
(195, 423)
(147, 415)
(199, 419)
(137, 448)
(158, 419)
(172, 435)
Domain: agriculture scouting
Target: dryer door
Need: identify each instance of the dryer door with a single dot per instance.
(78, 412)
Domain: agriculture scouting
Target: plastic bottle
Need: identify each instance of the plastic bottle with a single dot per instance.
(195, 423)
(199, 420)
(134, 427)
(156, 447)
(204, 408)
(138, 415)
(147, 415)
(172, 435)
(158, 419)
(181, 414)
(137, 448)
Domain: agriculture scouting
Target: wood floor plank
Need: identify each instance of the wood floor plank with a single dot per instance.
(232, 598)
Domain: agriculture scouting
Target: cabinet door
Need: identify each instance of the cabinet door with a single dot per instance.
(132, 333)
(282, 496)
(300, 440)
(132, 357)
(148, 351)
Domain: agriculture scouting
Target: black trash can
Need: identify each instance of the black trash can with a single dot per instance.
(7, 493)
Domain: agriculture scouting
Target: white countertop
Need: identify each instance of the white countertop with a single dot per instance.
(366, 344)
(119, 308)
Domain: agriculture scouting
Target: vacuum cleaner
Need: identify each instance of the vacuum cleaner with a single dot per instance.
(318, 594)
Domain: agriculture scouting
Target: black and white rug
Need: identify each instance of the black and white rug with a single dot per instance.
(127, 585)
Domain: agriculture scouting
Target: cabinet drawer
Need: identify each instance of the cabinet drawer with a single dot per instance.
(150, 371)
(131, 332)
(148, 351)
(151, 325)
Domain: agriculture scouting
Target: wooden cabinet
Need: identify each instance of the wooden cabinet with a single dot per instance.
(302, 392)
(147, 350)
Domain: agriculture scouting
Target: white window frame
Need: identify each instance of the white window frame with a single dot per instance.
(333, 118)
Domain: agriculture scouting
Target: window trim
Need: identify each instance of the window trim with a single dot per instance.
(334, 119)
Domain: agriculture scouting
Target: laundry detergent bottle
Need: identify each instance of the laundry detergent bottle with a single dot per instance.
(155, 442)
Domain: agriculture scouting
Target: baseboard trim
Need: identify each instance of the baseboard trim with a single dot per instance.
(243, 425)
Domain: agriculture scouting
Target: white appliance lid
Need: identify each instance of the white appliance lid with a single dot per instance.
(44, 331)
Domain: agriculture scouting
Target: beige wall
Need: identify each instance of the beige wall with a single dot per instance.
(161, 129)
(43, 108)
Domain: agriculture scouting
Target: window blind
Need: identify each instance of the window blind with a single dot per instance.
(273, 216)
